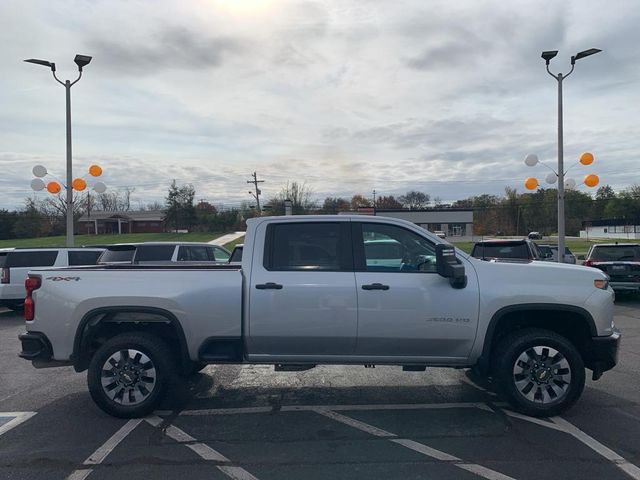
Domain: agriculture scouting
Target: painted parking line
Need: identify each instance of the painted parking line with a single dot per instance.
(562, 425)
(103, 450)
(203, 450)
(479, 470)
(306, 408)
(13, 419)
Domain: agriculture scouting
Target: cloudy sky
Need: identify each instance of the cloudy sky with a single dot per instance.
(348, 96)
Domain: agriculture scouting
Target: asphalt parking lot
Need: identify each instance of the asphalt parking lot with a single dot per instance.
(331, 422)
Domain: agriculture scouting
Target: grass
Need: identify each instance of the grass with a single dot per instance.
(109, 239)
(229, 246)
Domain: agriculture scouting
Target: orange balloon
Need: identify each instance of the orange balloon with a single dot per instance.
(95, 170)
(79, 184)
(53, 187)
(591, 180)
(531, 183)
(586, 158)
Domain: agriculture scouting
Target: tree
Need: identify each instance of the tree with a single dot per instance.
(388, 203)
(332, 205)
(7, 222)
(30, 222)
(114, 200)
(300, 196)
(414, 200)
(180, 212)
(358, 201)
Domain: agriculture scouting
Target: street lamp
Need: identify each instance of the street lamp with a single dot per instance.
(547, 56)
(81, 61)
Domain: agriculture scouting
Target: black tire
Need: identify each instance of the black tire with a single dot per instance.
(141, 382)
(522, 370)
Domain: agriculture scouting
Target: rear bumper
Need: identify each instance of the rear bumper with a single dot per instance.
(625, 286)
(603, 354)
(35, 346)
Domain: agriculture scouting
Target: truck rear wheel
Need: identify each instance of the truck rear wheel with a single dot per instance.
(540, 372)
(129, 373)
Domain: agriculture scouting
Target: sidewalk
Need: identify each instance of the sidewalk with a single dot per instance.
(229, 237)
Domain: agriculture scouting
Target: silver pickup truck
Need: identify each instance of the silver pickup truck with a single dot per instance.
(326, 290)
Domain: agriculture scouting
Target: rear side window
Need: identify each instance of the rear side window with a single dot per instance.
(154, 253)
(219, 255)
(193, 254)
(83, 258)
(621, 253)
(44, 258)
(519, 251)
(118, 254)
(308, 246)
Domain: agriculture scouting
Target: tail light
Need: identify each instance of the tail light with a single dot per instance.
(30, 284)
(588, 263)
(6, 276)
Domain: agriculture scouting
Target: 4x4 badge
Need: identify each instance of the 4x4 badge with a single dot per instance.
(63, 279)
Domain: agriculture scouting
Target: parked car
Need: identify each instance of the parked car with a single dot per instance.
(621, 261)
(506, 250)
(546, 254)
(17, 263)
(305, 295)
(163, 252)
(440, 234)
(568, 256)
(534, 236)
(236, 254)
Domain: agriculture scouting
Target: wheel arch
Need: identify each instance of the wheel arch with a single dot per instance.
(576, 324)
(113, 320)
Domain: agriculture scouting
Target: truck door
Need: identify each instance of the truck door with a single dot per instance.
(404, 307)
(302, 294)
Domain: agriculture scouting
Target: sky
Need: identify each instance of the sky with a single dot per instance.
(444, 97)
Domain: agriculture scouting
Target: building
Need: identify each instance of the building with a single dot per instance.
(100, 223)
(611, 228)
(454, 222)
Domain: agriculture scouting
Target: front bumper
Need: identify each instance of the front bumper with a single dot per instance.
(603, 353)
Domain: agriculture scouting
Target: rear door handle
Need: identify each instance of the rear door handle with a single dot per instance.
(375, 286)
(269, 286)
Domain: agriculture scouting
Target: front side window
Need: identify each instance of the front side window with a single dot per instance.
(154, 253)
(388, 248)
(307, 246)
(87, 257)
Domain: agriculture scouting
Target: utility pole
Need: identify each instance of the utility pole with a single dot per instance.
(256, 195)
(374, 201)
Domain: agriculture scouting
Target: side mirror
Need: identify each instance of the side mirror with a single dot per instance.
(448, 266)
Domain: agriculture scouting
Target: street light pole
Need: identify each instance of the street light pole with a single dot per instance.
(547, 56)
(561, 232)
(67, 86)
(81, 61)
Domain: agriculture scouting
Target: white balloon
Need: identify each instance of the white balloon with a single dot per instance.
(39, 171)
(551, 178)
(570, 184)
(531, 160)
(100, 187)
(37, 184)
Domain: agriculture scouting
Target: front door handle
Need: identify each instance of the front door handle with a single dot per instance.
(269, 286)
(375, 286)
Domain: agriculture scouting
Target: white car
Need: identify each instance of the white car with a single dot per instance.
(18, 262)
(163, 252)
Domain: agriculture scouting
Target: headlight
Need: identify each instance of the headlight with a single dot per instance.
(601, 284)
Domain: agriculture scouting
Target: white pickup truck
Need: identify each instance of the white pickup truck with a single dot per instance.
(326, 290)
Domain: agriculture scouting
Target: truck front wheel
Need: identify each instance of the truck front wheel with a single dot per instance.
(540, 372)
(129, 373)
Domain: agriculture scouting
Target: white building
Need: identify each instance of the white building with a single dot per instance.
(611, 228)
